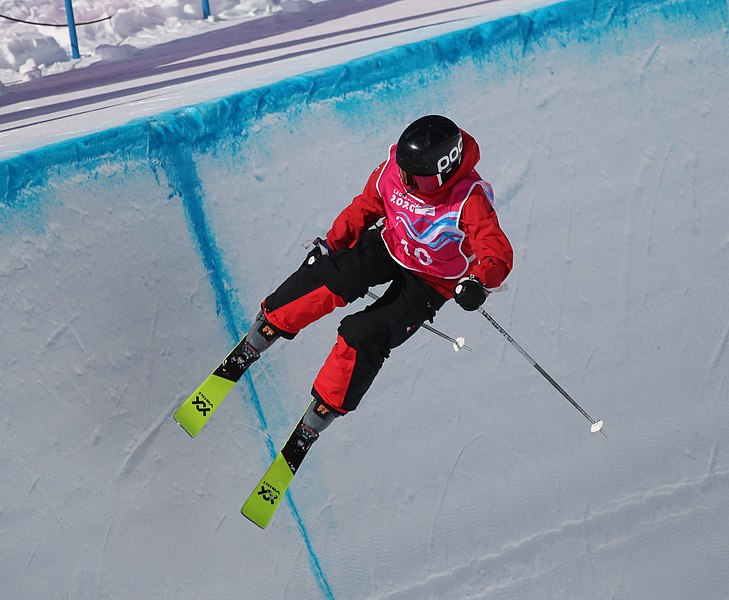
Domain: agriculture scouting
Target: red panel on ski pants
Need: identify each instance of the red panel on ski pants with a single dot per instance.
(332, 382)
(336, 373)
(297, 314)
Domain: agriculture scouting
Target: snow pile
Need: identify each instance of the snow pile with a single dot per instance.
(28, 51)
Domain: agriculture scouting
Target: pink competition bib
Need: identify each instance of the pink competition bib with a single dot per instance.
(422, 237)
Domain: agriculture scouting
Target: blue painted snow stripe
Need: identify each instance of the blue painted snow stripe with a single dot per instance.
(316, 568)
(496, 42)
(181, 172)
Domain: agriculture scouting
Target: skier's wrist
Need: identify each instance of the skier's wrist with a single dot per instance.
(319, 248)
(470, 293)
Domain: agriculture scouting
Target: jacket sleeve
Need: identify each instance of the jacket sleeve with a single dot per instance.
(489, 245)
(364, 211)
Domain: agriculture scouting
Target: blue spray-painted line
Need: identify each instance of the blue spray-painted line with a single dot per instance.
(313, 559)
(181, 172)
(492, 42)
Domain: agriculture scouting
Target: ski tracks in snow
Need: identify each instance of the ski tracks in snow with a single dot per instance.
(720, 350)
(137, 449)
(618, 523)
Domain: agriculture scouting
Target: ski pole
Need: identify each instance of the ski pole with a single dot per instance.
(596, 425)
(458, 343)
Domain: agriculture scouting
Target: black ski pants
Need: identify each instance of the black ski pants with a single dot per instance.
(365, 338)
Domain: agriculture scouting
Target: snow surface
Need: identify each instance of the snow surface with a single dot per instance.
(225, 58)
(110, 30)
(119, 29)
(132, 259)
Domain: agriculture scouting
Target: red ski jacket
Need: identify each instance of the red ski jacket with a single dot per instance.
(493, 255)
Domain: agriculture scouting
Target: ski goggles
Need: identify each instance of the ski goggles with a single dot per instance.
(421, 183)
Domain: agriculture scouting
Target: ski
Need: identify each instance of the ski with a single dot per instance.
(194, 412)
(263, 501)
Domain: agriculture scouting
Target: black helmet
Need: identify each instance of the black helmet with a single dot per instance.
(429, 152)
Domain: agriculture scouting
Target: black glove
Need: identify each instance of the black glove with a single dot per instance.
(320, 249)
(470, 293)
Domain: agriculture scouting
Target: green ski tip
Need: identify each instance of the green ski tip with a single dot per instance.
(265, 498)
(200, 406)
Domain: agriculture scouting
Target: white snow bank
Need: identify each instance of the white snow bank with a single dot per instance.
(131, 24)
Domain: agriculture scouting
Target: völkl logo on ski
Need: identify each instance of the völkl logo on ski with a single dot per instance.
(202, 404)
(269, 495)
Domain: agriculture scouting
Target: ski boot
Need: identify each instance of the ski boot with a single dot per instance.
(259, 337)
(315, 420)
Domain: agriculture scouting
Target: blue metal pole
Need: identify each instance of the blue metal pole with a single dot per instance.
(72, 29)
(206, 9)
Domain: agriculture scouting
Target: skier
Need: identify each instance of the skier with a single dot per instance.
(425, 223)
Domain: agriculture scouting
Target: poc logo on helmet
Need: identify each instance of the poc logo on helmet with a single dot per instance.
(452, 158)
